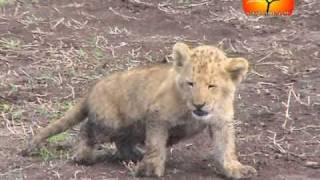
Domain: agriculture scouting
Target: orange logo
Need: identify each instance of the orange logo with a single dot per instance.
(268, 7)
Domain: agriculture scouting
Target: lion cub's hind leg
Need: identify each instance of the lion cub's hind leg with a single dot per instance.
(85, 148)
(126, 141)
(127, 150)
(98, 131)
(91, 133)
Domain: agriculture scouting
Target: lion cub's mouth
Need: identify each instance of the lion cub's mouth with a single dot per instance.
(200, 113)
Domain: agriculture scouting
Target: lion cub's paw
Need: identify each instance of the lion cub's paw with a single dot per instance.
(83, 157)
(239, 171)
(81, 160)
(149, 169)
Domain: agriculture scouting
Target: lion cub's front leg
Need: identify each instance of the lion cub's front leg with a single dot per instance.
(153, 162)
(225, 153)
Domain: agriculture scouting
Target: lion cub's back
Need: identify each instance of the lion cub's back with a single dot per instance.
(129, 91)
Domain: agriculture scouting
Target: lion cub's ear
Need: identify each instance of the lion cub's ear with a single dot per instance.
(180, 54)
(237, 68)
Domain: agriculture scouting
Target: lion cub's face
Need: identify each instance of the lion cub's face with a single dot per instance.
(206, 77)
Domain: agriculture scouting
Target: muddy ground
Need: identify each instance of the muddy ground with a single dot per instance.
(50, 51)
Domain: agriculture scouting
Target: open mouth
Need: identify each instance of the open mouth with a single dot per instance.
(200, 113)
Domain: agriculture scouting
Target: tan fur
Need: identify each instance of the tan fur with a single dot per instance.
(159, 106)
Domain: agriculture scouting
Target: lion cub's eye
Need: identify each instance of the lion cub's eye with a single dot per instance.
(210, 86)
(190, 83)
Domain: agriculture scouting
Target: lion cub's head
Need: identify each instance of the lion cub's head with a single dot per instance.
(206, 77)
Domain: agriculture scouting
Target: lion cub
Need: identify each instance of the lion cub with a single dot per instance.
(159, 106)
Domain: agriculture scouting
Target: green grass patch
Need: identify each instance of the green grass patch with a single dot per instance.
(98, 53)
(17, 114)
(42, 111)
(51, 152)
(97, 45)
(10, 43)
(32, 19)
(55, 112)
(81, 54)
(185, 1)
(5, 107)
(66, 105)
(59, 137)
(45, 154)
(6, 2)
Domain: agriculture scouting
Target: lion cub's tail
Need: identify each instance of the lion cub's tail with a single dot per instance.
(72, 117)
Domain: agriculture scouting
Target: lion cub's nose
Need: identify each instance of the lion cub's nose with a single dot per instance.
(199, 106)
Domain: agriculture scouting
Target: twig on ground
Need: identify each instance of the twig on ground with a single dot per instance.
(138, 2)
(7, 122)
(297, 97)
(72, 91)
(312, 164)
(265, 57)
(305, 127)
(56, 173)
(122, 15)
(76, 173)
(57, 23)
(284, 125)
(275, 142)
(15, 170)
(256, 73)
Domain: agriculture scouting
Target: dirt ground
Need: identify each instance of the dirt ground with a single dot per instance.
(50, 51)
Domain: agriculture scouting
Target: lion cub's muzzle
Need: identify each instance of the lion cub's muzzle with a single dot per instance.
(199, 110)
(200, 113)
